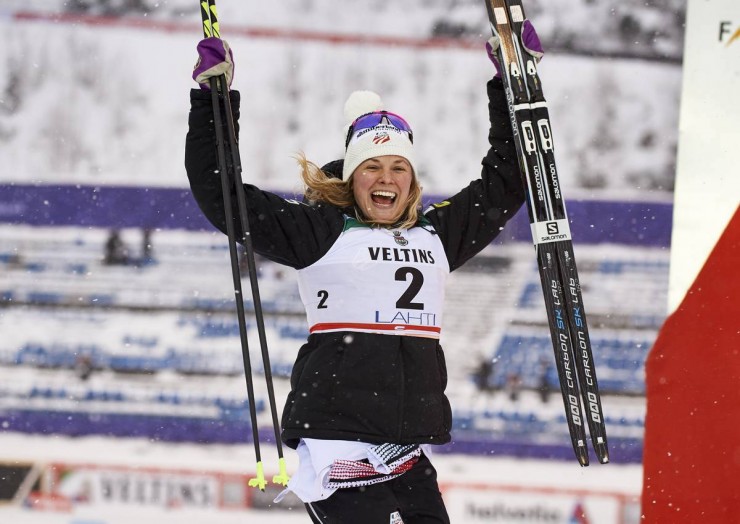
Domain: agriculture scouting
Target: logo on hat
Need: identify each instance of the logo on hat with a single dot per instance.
(381, 138)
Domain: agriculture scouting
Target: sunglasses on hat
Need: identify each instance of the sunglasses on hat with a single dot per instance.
(370, 120)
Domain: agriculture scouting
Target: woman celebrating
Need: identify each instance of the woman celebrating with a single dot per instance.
(367, 399)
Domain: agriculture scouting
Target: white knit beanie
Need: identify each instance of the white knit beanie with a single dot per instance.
(383, 139)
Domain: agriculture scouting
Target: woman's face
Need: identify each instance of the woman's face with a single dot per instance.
(381, 186)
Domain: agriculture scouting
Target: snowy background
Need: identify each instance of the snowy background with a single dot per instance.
(95, 93)
(107, 103)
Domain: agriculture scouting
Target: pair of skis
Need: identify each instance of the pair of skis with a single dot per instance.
(550, 231)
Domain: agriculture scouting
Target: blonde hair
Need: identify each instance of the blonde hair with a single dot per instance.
(320, 187)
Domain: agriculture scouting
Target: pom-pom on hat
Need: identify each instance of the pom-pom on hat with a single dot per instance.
(381, 139)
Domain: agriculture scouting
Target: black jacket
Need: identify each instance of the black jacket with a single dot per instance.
(379, 388)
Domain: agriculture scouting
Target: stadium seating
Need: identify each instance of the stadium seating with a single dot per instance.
(138, 325)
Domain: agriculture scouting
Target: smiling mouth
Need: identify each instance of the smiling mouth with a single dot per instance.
(383, 198)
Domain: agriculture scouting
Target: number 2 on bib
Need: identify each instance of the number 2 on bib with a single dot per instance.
(417, 280)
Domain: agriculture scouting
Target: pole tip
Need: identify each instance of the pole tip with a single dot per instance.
(259, 481)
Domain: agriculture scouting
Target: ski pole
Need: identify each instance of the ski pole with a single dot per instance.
(282, 477)
(211, 28)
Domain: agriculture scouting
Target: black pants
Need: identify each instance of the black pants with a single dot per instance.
(414, 495)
